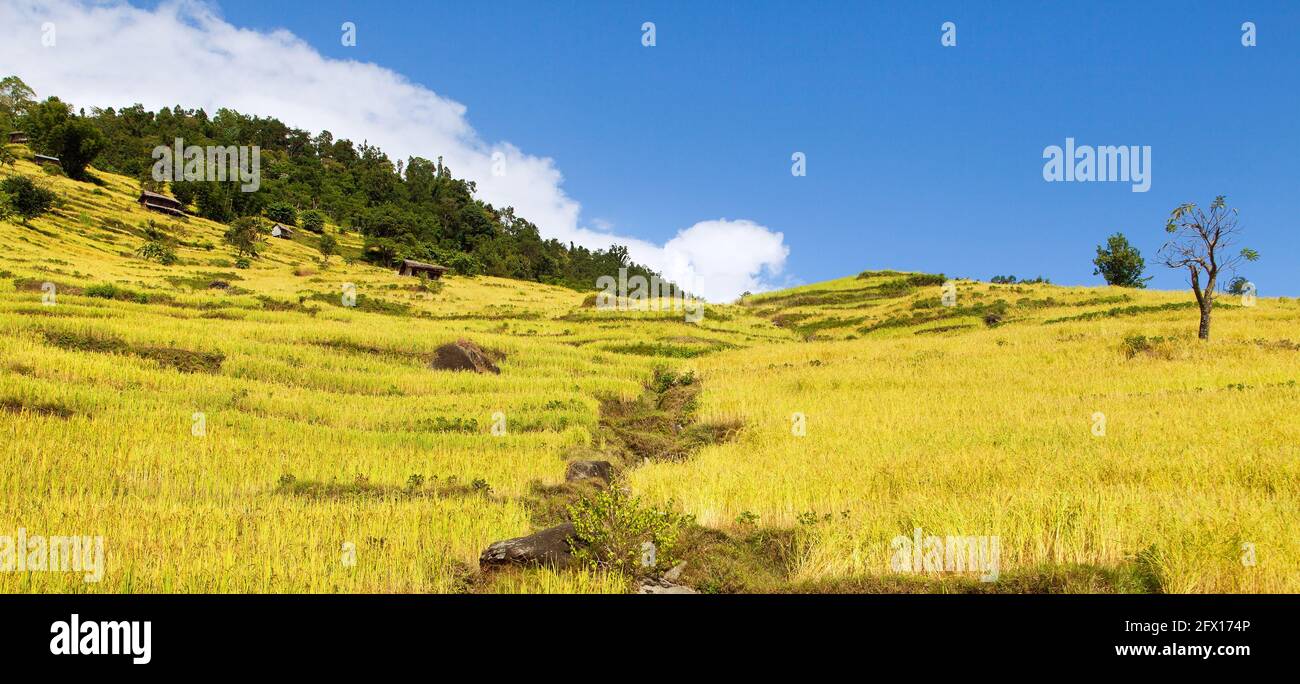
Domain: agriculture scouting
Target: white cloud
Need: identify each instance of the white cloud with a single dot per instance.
(113, 54)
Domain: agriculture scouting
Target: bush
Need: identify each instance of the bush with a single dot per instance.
(464, 264)
(26, 197)
(121, 294)
(612, 528)
(157, 251)
(157, 246)
(313, 220)
(1141, 344)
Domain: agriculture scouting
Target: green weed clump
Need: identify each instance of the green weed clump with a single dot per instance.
(614, 532)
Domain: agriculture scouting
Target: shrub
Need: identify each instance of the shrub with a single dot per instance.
(464, 264)
(1141, 344)
(313, 220)
(157, 246)
(665, 379)
(612, 528)
(157, 251)
(26, 197)
(427, 284)
(111, 291)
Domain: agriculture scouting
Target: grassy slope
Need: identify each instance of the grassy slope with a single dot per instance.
(933, 420)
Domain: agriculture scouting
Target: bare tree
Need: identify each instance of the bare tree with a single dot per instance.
(1201, 242)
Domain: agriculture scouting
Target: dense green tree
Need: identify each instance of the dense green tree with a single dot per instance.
(313, 220)
(76, 143)
(1120, 263)
(283, 213)
(15, 98)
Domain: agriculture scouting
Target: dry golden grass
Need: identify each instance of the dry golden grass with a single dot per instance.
(958, 430)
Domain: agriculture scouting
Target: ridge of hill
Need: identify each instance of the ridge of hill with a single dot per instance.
(231, 429)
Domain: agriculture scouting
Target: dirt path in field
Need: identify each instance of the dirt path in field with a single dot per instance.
(657, 425)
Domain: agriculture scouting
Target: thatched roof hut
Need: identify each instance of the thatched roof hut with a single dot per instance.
(411, 267)
(157, 202)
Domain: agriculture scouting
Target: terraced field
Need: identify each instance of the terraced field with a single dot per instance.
(247, 430)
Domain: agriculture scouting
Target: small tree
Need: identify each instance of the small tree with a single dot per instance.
(26, 198)
(313, 220)
(245, 235)
(328, 248)
(1202, 243)
(1120, 263)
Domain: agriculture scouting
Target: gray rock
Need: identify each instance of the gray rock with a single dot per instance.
(662, 586)
(588, 470)
(676, 572)
(547, 547)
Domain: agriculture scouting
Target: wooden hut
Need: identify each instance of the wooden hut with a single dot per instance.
(47, 160)
(416, 268)
(156, 202)
(17, 138)
(282, 231)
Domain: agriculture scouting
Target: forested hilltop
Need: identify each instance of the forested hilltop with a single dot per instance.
(415, 208)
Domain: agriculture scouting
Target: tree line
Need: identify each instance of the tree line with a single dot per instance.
(406, 209)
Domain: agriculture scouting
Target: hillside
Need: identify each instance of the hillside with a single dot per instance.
(325, 432)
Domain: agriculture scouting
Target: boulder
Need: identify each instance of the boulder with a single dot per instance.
(588, 470)
(548, 547)
(464, 355)
(663, 586)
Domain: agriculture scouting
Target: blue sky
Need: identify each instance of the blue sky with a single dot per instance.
(919, 157)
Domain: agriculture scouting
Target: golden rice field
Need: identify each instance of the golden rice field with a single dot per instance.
(916, 415)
